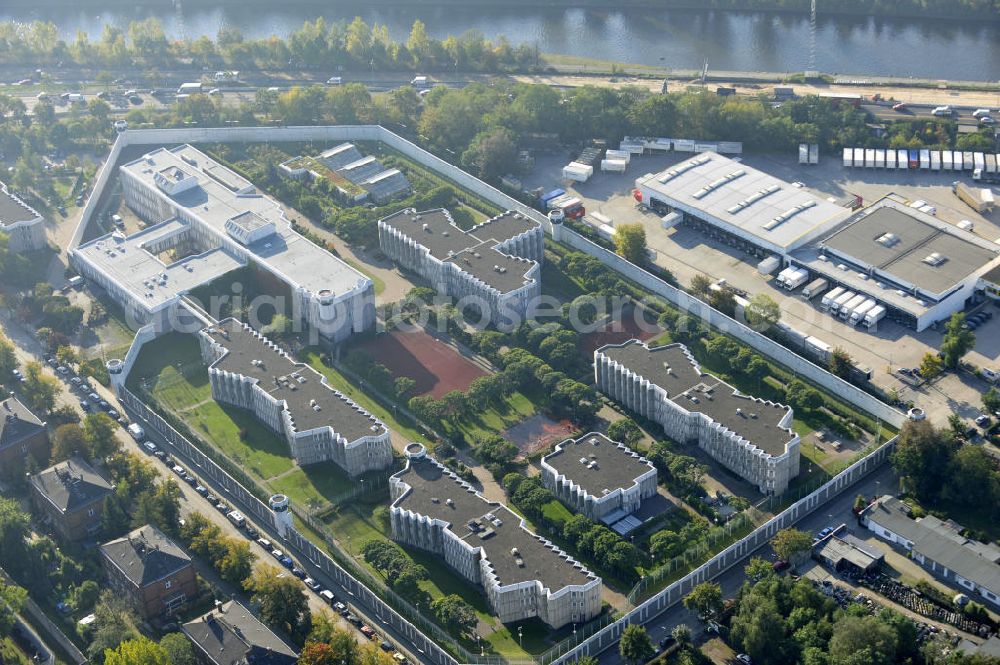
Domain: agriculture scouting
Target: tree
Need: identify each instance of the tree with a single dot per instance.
(69, 440)
(922, 457)
(138, 651)
(630, 242)
(791, 543)
(957, 340)
(100, 432)
(626, 431)
(283, 603)
(403, 385)
(318, 653)
(991, 402)
(635, 645)
(12, 599)
(705, 599)
(681, 633)
(931, 365)
(841, 362)
(455, 614)
(280, 326)
(178, 649)
(115, 621)
(802, 397)
(862, 640)
(40, 389)
(492, 153)
(161, 508)
(757, 569)
(762, 312)
(66, 355)
(700, 285)
(237, 563)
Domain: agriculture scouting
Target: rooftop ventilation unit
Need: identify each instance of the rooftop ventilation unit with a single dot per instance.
(683, 168)
(935, 259)
(715, 184)
(753, 198)
(887, 239)
(788, 214)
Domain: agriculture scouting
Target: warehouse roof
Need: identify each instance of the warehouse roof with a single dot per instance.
(231, 635)
(910, 245)
(721, 190)
(13, 209)
(672, 368)
(310, 401)
(131, 266)
(17, 422)
(71, 485)
(500, 533)
(221, 195)
(146, 555)
(597, 464)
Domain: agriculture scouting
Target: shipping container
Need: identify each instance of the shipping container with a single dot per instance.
(968, 160)
(902, 161)
(890, 159)
(913, 159)
(730, 148)
(706, 147)
(935, 160)
(848, 157)
(869, 158)
(831, 296)
(554, 194)
(946, 160)
(768, 265)
(189, 88)
(683, 145)
(859, 157)
(880, 159)
(614, 165)
(814, 153)
(797, 279)
(925, 159)
(973, 196)
(803, 153)
(991, 163)
(978, 160)
(818, 347)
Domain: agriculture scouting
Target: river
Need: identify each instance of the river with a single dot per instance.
(681, 39)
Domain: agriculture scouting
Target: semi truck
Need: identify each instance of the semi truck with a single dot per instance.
(841, 300)
(814, 288)
(549, 196)
(831, 296)
(189, 88)
(979, 200)
(874, 315)
(844, 311)
(796, 279)
(902, 161)
(986, 177)
(858, 315)
(571, 206)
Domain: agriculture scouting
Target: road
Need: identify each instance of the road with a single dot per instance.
(836, 512)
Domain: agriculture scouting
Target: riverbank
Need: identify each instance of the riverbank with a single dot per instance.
(906, 9)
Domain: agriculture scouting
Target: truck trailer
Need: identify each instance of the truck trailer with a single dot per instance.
(797, 279)
(848, 157)
(946, 159)
(890, 159)
(880, 159)
(935, 160)
(845, 309)
(858, 315)
(874, 315)
(974, 198)
(925, 160)
(902, 161)
(830, 297)
(814, 288)
(841, 300)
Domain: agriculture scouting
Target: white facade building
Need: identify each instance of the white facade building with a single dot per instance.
(938, 546)
(318, 422)
(522, 574)
(495, 264)
(751, 437)
(224, 222)
(598, 477)
(24, 227)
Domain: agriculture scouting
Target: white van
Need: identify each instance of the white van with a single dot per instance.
(942, 111)
(419, 82)
(328, 596)
(136, 431)
(980, 113)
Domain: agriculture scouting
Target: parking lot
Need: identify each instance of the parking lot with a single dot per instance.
(687, 253)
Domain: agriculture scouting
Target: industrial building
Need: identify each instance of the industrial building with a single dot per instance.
(354, 178)
(495, 264)
(751, 437)
(215, 221)
(24, 227)
(318, 422)
(524, 575)
(938, 546)
(920, 268)
(598, 477)
(846, 553)
(738, 204)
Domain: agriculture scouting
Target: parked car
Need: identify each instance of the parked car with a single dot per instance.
(277, 554)
(211, 498)
(368, 631)
(201, 489)
(62, 369)
(667, 642)
(85, 405)
(190, 480)
(826, 531)
(779, 565)
(899, 106)
(312, 584)
(386, 646)
(178, 469)
(265, 543)
(76, 380)
(251, 532)
(298, 572)
(743, 659)
(222, 507)
(983, 421)
(328, 596)
(287, 562)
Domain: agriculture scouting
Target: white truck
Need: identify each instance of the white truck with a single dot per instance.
(980, 200)
(831, 296)
(848, 157)
(902, 160)
(797, 279)
(935, 160)
(874, 315)
(803, 153)
(925, 159)
(420, 82)
(841, 300)
(890, 159)
(858, 315)
(189, 88)
(136, 431)
(814, 288)
(946, 159)
(844, 311)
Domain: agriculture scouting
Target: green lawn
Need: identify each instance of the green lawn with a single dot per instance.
(10, 654)
(259, 449)
(494, 419)
(556, 512)
(311, 357)
(313, 485)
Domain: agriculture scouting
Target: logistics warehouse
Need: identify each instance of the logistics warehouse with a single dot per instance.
(919, 268)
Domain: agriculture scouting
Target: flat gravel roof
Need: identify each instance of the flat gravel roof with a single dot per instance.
(609, 465)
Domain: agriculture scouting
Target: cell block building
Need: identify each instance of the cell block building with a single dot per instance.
(751, 437)
(522, 574)
(318, 422)
(217, 221)
(24, 227)
(598, 477)
(496, 263)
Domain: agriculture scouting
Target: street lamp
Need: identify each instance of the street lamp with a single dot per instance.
(520, 636)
